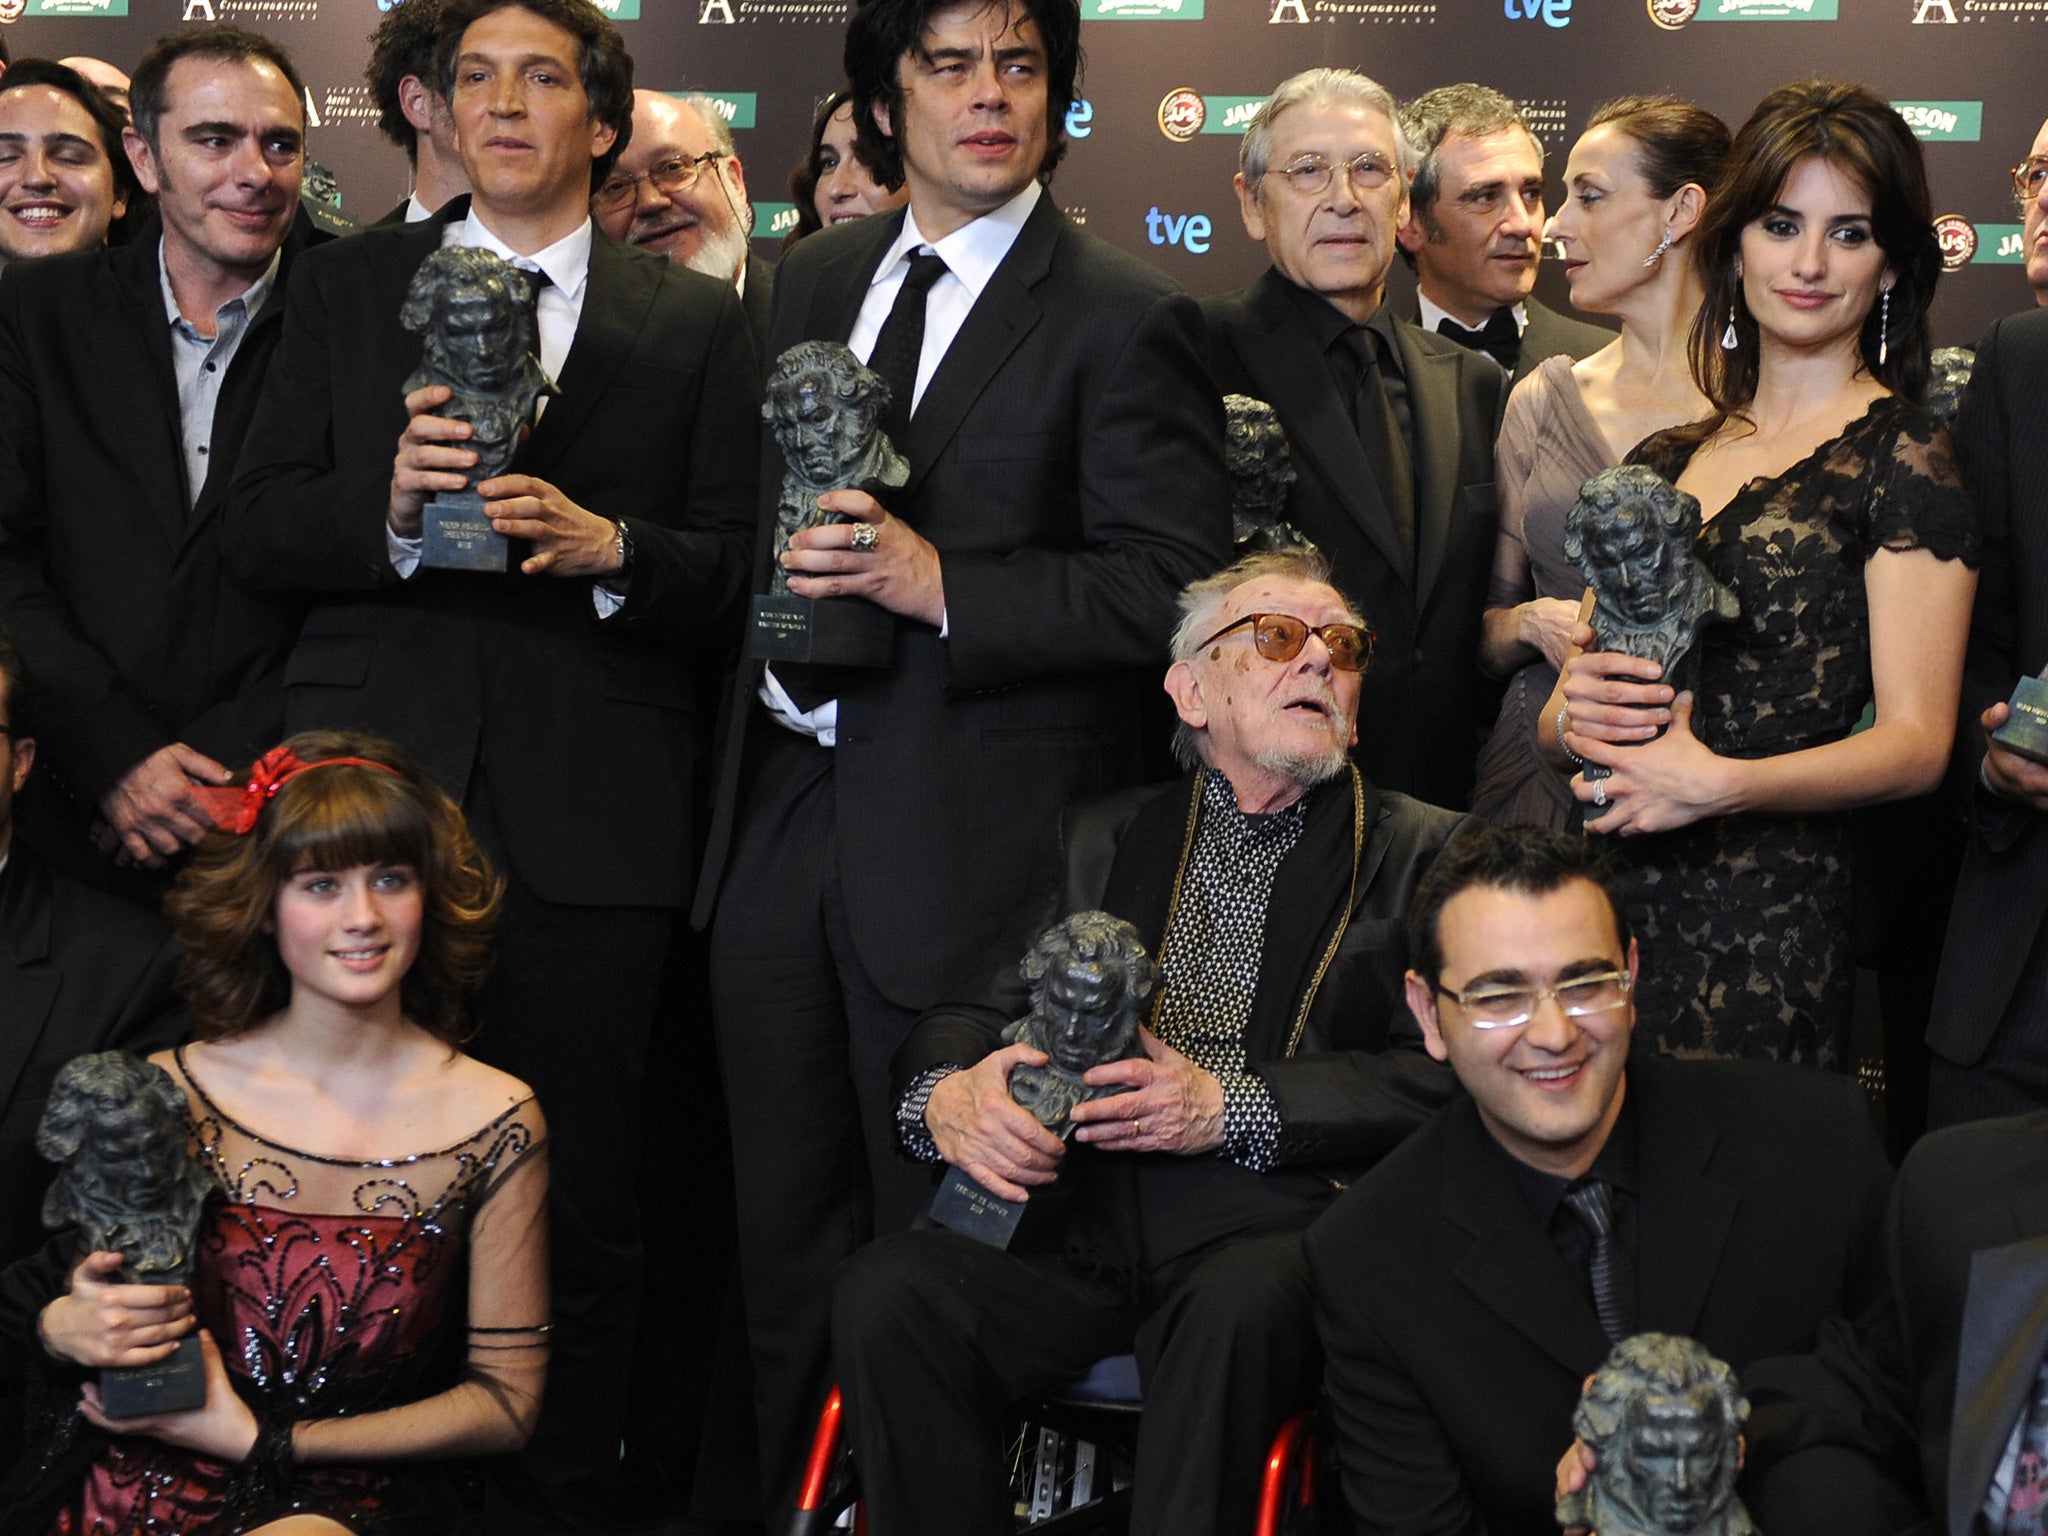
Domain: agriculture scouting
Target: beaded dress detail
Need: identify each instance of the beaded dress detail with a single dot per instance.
(333, 1287)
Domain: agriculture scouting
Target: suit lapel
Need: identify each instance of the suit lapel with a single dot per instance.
(1685, 1215)
(614, 308)
(1511, 1266)
(1999, 1350)
(1433, 414)
(1287, 367)
(28, 989)
(151, 392)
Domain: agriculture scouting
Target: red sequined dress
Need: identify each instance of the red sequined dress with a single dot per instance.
(332, 1287)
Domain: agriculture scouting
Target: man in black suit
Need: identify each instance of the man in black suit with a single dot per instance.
(1467, 1286)
(412, 112)
(127, 379)
(1277, 1064)
(1065, 481)
(80, 971)
(553, 699)
(1391, 428)
(1474, 229)
(680, 191)
(1988, 1029)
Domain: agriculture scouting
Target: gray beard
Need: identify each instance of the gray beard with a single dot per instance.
(1308, 769)
(721, 255)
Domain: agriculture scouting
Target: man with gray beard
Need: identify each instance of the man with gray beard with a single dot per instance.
(1270, 883)
(680, 191)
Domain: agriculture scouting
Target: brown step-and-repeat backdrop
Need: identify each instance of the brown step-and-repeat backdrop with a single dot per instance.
(1170, 83)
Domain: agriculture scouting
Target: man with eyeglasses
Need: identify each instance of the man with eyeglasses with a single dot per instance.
(1472, 236)
(1468, 1286)
(1277, 1063)
(555, 700)
(680, 191)
(1988, 1027)
(1391, 427)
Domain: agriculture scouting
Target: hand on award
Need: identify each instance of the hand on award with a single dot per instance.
(150, 812)
(429, 459)
(1173, 1105)
(985, 1133)
(2010, 775)
(566, 539)
(223, 1427)
(900, 573)
(102, 1323)
(1671, 782)
(1573, 1468)
(1547, 625)
(1611, 697)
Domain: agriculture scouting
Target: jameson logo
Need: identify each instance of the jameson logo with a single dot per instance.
(1767, 10)
(1231, 114)
(77, 8)
(773, 220)
(2000, 245)
(1943, 122)
(1957, 237)
(736, 107)
(620, 10)
(1141, 10)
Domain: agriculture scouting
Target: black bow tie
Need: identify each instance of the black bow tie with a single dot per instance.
(1500, 337)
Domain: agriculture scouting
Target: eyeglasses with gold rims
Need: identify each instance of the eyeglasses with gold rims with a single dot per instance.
(1280, 637)
(671, 178)
(2028, 177)
(1493, 1006)
(1311, 174)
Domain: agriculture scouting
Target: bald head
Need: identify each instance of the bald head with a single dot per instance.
(112, 83)
(704, 224)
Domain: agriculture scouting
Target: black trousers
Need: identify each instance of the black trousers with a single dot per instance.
(568, 1007)
(936, 1336)
(804, 1038)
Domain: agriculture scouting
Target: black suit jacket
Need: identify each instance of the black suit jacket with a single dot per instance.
(80, 971)
(757, 301)
(1457, 1338)
(589, 726)
(2002, 894)
(1425, 702)
(137, 633)
(1968, 1239)
(1066, 461)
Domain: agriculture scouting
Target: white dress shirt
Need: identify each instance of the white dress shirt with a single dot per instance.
(1432, 313)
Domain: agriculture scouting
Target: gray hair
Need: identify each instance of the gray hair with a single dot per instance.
(1255, 152)
(1432, 117)
(714, 121)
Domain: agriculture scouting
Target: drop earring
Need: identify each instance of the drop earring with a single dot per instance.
(1884, 325)
(1728, 338)
(1658, 254)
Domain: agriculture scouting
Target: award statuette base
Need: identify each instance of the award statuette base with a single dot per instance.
(967, 1208)
(827, 631)
(2027, 731)
(170, 1386)
(456, 536)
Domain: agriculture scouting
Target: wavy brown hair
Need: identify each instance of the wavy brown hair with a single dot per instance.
(1856, 131)
(335, 818)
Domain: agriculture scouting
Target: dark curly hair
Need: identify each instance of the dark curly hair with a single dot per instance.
(405, 43)
(335, 818)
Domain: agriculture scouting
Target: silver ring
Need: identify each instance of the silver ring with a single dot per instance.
(1600, 792)
(865, 537)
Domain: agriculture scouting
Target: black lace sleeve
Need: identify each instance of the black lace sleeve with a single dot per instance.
(1917, 499)
(1665, 452)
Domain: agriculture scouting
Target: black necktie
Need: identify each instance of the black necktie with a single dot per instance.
(1500, 338)
(1380, 434)
(1614, 1279)
(900, 342)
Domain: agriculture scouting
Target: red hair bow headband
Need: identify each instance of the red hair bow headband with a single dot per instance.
(236, 810)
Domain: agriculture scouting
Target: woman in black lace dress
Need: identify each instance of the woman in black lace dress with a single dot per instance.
(1834, 511)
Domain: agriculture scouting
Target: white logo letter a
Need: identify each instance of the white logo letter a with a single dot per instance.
(1288, 10)
(198, 10)
(716, 10)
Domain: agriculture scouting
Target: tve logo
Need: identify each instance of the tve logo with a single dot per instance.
(1080, 118)
(1189, 231)
(1555, 13)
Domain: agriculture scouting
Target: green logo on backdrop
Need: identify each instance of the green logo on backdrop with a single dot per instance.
(1766, 10)
(773, 220)
(76, 8)
(620, 10)
(1954, 122)
(736, 107)
(2001, 245)
(1229, 114)
(1148, 10)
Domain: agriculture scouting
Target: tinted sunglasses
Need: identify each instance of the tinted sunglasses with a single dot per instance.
(1280, 637)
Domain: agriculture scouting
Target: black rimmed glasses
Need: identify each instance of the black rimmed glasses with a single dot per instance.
(671, 178)
(2029, 176)
(1311, 174)
(1280, 637)
(1493, 1006)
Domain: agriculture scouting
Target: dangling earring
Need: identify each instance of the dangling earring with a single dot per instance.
(1728, 338)
(1658, 254)
(1884, 325)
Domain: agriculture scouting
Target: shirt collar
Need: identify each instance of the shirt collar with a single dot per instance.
(974, 250)
(1327, 323)
(1220, 800)
(250, 298)
(566, 262)
(1615, 1162)
(1431, 314)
